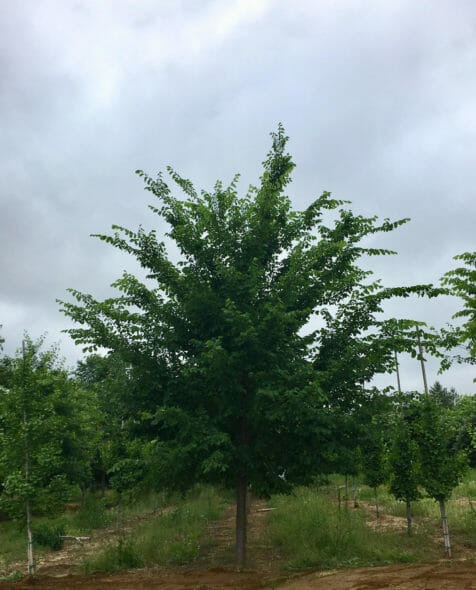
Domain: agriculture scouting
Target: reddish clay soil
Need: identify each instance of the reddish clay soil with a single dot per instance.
(454, 575)
(208, 573)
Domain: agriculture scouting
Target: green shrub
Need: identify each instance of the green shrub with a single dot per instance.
(93, 515)
(49, 534)
(114, 558)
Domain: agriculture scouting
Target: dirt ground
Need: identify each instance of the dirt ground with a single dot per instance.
(57, 569)
(454, 575)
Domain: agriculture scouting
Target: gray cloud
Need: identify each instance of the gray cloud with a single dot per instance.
(378, 98)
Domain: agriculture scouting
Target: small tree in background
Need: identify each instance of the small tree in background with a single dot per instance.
(463, 427)
(404, 459)
(441, 470)
(35, 425)
(374, 456)
(443, 397)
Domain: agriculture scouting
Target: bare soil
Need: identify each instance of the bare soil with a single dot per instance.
(210, 572)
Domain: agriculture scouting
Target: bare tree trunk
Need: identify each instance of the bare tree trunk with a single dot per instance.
(346, 487)
(376, 502)
(242, 480)
(354, 491)
(119, 515)
(398, 372)
(409, 518)
(156, 502)
(83, 495)
(31, 557)
(420, 351)
(446, 530)
(241, 521)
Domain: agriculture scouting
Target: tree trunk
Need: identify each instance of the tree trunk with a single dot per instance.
(103, 484)
(31, 559)
(409, 517)
(398, 372)
(422, 362)
(241, 518)
(376, 502)
(446, 530)
(346, 487)
(242, 479)
(156, 501)
(83, 495)
(354, 491)
(119, 515)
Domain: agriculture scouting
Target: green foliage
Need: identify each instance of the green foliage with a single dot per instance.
(462, 424)
(374, 457)
(441, 470)
(404, 462)
(93, 515)
(116, 557)
(38, 429)
(443, 397)
(461, 282)
(49, 534)
(12, 536)
(214, 344)
(224, 381)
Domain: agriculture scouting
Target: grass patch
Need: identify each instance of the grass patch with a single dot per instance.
(122, 555)
(173, 538)
(311, 531)
(93, 515)
(13, 544)
(467, 488)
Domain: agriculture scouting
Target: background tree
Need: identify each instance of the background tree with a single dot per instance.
(404, 457)
(34, 437)
(443, 397)
(463, 427)
(373, 443)
(107, 383)
(215, 343)
(441, 470)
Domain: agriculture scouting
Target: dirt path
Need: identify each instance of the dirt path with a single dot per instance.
(455, 575)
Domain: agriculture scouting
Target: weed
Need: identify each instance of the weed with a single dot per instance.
(311, 531)
(173, 538)
(93, 515)
(114, 558)
(49, 534)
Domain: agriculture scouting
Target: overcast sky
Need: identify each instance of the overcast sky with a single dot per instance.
(378, 98)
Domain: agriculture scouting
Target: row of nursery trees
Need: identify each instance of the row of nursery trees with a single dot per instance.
(213, 373)
(61, 430)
